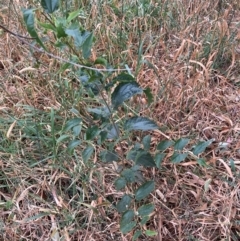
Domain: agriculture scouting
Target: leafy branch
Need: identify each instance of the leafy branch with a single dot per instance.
(107, 132)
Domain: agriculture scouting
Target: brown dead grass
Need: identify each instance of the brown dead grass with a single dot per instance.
(191, 99)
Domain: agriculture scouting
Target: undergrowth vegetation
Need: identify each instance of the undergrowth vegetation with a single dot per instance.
(119, 120)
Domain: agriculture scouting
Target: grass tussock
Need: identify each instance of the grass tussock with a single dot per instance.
(187, 53)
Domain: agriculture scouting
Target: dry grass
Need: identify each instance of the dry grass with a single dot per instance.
(194, 75)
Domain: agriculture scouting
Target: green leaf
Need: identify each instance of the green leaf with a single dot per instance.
(146, 142)
(61, 46)
(72, 110)
(94, 78)
(35, 217)
(136, 168)
(178, 157)
(73, 15)
(138, 175)
(150, 233)
(103, 136)
(145, 159)
(126, 223)
(159, 158)
(202, 162)
(72, 123)
(62, 138)
(136, 235)
(180, 144)
(163, 145)
(124, 91)
(144, 190)
(107, 156)
(144, 220)
(76, 34)
(127, 217)
(87, 46)
(145, 210)
(77, 130)
(47, 26)
(140, 123)
(73, 144)
(120, 183)
(112, 131)
(50, 5)
(132, 154)
(101, 61)
(128, 227)
(92, 132)
(129, 175)
(149, 95)
(79, 37)
(124, 77)
(201, 146)
(232, 165)
(102, 111)
(87, 152)
(28, 16)
(60, 29)
(124, 203)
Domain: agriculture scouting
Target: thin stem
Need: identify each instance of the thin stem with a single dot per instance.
(67, 61)
(111, 118)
